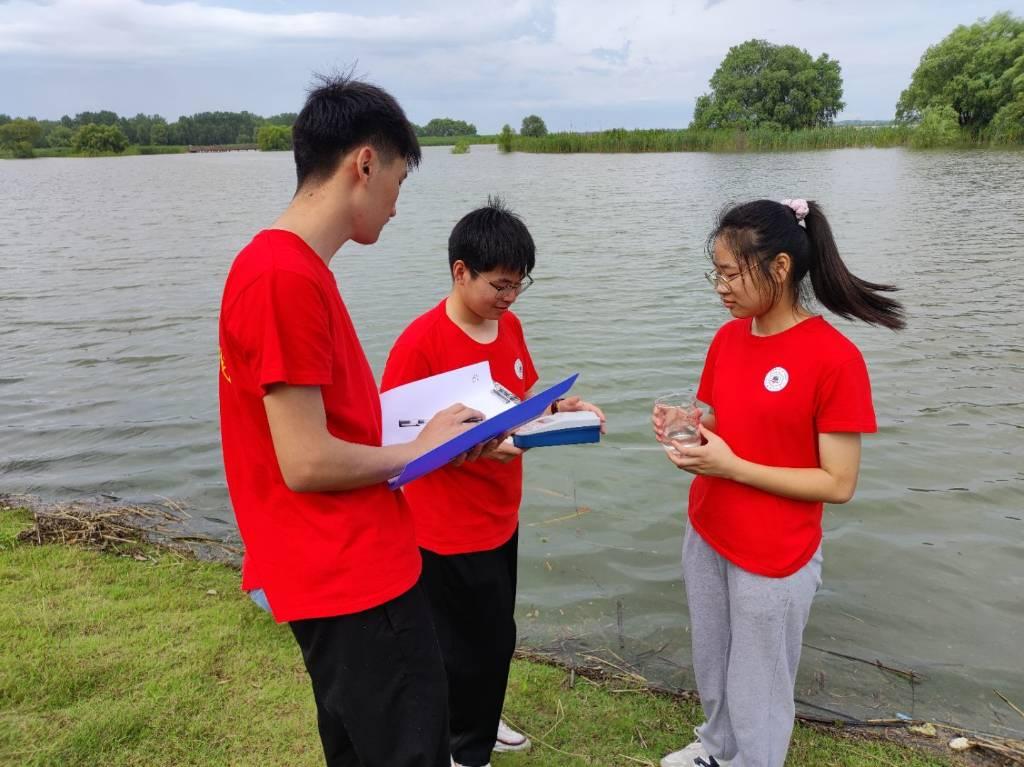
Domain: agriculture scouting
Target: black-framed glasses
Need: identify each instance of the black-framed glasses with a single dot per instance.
(512, 288)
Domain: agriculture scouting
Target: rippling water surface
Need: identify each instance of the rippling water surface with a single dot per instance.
(110, 277)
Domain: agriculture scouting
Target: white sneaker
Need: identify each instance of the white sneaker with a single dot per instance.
(694, 755)
(456, 764)
(510, 740)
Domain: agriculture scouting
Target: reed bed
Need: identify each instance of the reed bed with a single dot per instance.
(759, 140)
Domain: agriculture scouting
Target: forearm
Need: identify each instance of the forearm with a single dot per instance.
(815, 485)
(330, 464)
(311, 459)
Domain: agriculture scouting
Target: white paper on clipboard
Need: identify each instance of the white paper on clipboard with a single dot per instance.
(405, 409)
(506, 421)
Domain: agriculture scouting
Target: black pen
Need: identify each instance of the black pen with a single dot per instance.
(403, 424)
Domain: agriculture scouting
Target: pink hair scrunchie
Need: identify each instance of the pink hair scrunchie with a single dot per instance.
(799, 207)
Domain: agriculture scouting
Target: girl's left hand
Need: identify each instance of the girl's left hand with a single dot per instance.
(573, 404)
(714, 459)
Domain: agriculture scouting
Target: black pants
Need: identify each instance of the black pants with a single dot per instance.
(473, 599)
(379, 684)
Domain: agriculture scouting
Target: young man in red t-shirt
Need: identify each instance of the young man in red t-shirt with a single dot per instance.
(467, 517)
(329, 545)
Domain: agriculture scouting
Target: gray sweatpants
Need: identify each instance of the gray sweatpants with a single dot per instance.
(746, 631)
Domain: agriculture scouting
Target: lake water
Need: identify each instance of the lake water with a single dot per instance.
(110, 277)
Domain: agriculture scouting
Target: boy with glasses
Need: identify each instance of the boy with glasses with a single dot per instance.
(467, 517)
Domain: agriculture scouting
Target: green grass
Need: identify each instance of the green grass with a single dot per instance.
(453, 140)
(159, 149)
(683, 140)
(249, 147)
(112, 660)
(687, 140)
(131, 151)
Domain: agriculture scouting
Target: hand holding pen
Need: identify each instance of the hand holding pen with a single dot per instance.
(447, 424)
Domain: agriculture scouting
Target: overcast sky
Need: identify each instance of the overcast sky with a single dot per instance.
(579, 64)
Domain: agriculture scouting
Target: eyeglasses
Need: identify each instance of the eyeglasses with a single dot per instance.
(716, 278)
(512, 289)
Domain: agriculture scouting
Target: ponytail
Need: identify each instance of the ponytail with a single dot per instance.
(758, 231)
(840, 291)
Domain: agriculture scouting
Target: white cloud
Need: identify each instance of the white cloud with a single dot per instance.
(115, 29)
(455, 57)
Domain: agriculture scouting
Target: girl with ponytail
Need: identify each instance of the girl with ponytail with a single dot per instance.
(789, 398)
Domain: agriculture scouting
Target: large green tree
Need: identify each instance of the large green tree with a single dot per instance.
(938, 127)
(976, 70)
(1008, 124)
(533, 126)
(446, 126)
(99, 139)
(20, 136)
(60, 136)
(274, 138)
(762, 85)
(158, 132)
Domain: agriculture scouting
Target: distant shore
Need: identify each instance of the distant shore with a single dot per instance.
(645, 141)
(760, 140)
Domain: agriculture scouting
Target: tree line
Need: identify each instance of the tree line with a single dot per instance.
(969, 87)
(969, 84)
(107, 132)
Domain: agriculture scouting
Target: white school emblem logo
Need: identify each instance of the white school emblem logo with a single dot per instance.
(519, 369)
(776, 379)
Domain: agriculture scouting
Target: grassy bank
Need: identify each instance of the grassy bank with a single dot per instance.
(131, 151)
(135, 150)
(688, 140)
(149, 658)
(453, 140)
(683, 140)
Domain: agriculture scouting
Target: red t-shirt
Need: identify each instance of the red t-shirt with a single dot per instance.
(473, 507)
(282, 320)
(772, 397)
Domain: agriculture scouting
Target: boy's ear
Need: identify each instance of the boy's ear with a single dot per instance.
(365, 157)
(459, 272)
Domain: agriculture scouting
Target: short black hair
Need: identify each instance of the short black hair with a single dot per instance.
(340, 114)
(492, 237)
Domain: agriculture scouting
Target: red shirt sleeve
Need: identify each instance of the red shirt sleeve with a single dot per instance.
(284, 328)
(530, 376)
(707, 376)
(406, 363)
(844, 399)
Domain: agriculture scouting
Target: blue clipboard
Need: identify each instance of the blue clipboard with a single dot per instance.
(508, 420)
